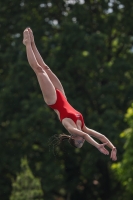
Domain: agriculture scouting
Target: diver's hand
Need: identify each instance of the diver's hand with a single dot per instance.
(102, 149)
(113, 154)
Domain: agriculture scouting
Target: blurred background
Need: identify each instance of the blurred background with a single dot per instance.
(89, 46)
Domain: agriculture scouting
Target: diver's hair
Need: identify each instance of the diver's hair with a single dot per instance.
(58, 139)
(63, 137)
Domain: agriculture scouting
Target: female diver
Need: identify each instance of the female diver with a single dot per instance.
(54, 96)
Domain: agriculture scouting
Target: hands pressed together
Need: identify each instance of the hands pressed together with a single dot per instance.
(103, 150)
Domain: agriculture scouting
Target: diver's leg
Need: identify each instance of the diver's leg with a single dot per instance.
(47, 87)
(54, 79)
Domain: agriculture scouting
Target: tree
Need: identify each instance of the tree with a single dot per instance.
(26, 186)
(124, 169)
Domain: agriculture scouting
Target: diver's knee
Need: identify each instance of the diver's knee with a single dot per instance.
(39, 70)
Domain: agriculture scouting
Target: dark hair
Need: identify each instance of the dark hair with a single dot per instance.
(58, 139)
(63, 137)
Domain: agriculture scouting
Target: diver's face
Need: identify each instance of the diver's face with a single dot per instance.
(78, 141)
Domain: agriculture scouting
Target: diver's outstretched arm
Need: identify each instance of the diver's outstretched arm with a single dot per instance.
(103, 139)
(89, 139)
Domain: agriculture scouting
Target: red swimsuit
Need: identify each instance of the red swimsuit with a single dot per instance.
(65, 109)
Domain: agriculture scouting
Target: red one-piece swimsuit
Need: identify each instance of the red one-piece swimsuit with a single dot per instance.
(65, 109)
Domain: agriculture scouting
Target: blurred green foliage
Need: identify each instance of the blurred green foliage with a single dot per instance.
(124, 169)
(88, 44)
(26, 186)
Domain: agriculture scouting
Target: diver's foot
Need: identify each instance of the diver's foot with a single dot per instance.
(26, 37)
